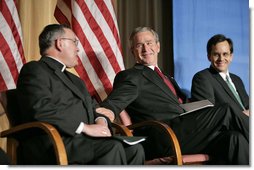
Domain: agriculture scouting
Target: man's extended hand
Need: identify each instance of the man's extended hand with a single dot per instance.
(106, 112)
(96, 130)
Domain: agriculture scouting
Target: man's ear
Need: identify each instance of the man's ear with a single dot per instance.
(208, 57)
(232, 56)
(58, 44)
(159, 46)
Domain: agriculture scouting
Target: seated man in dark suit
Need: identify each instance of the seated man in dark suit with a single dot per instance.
(49, 93)
(146, 94)
(211, 83)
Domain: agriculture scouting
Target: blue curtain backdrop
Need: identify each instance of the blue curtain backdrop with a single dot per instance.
(194, 22)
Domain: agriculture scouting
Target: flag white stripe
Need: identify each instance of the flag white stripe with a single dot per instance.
(6, 74)
(92, 74)
(64, 9)
(14, 13)
(9, 42)
(95, 44)
(100, 81)
(77, 13)
(118, 52)
(95, 11)
(98, 86)
(4, 27)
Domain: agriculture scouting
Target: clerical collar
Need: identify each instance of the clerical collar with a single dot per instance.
(64, 66)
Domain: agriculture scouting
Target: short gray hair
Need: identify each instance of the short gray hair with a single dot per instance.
(142, 29)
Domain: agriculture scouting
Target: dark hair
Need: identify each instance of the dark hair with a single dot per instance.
(49, 34)
(217, 39)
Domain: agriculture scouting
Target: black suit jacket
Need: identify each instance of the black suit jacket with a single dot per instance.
(208, 84)
(47, 94)
(144, 95)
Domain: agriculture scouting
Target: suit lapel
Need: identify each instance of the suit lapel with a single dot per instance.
(69, 84)
(224, 85)
(237, 86)
(155, 79)
(63, 77)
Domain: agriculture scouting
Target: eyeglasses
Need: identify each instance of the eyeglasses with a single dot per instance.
(73, 40)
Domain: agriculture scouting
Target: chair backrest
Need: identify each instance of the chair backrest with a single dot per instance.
(19, 134)
(12, 107)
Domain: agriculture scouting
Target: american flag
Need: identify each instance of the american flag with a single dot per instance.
(11, 46)
(100, 57)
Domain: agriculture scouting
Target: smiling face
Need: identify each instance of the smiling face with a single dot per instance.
(220, 56)
(145, 48)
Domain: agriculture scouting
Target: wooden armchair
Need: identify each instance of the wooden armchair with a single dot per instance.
(177, 158)
(53, 135)
(16, 129)
(12, 135)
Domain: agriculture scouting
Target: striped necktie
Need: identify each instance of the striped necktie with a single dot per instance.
(234, 92)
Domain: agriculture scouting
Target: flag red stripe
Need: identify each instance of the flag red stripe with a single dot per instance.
(11, 47)
(84, 76)
(91, 55)
(100, 61)
(68, 3)
(9, 58)
(9, 19)
(3, 86)
(100, 36)
(107, 16)
(61, 18)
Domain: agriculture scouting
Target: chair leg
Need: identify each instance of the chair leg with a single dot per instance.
(12, 145)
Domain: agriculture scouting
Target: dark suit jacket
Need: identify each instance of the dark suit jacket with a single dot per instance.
(144, 95)
(49, 95)
(208, 84)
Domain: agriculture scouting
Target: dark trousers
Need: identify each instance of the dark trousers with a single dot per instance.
(217, 131)
(113, 152)
(81, 150)
(4, 160)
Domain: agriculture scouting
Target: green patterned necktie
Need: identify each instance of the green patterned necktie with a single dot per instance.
(234, 92)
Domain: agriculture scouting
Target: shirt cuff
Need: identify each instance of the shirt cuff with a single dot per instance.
(80, 128)
(103, 119)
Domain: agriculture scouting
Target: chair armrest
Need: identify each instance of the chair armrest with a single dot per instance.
(172, 137)
(50, 130)
(123, 130)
